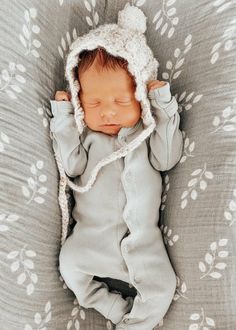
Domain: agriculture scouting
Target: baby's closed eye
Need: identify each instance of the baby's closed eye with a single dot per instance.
(124, 102)
(93, 104)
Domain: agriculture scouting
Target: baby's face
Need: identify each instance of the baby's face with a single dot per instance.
(107, 97)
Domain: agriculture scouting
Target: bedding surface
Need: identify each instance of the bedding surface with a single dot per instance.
(195, 43)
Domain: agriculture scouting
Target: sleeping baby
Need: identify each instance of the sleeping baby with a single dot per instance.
(114, 132)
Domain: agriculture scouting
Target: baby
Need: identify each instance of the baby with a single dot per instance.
(116, 233)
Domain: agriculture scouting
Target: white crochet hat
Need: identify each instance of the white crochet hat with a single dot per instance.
(125, 39)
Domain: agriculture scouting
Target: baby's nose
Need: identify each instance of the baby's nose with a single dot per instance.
(108, 112)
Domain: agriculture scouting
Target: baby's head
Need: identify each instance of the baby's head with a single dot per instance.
(107, 92)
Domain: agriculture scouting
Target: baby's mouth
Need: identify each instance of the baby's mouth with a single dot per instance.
(109, 125)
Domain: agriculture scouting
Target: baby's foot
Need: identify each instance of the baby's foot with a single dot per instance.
(121, 324)
(119, 308)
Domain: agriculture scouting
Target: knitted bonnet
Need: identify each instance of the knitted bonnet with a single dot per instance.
(125, 39)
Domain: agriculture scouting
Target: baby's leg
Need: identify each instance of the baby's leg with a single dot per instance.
(149, 311)
(91, 293)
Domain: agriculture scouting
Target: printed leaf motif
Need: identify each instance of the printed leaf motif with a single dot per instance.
(165, 19)
(227, 121)
(4, 137)
(24, 265)
(87, 5)
(7, 219)
(201, 179)
(211, 266)
(82, 314)
(34, 191)
(165, 189)
(187, 152)
(202, 321)
(76, 312)
(181, 289)
(167, 235)
(93, 20)
(44, 113)
(39, 320)
(230, 215)
(109, 325)
(174, 68)
(10, 79)
(186, 101)
(226, 41)
(65, 44)
(29, 30)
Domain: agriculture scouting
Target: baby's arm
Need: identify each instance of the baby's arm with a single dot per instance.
(66, 139)
(166, 141)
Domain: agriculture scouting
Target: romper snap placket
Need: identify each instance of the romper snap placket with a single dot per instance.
(129, 214)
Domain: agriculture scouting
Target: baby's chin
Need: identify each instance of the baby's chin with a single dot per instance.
(109, 130)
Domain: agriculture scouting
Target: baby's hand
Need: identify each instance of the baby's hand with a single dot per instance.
(62, 96)
(152, 84)
(159, 91)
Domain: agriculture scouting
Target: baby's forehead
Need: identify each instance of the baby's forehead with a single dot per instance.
(93, 86)
(119, 93)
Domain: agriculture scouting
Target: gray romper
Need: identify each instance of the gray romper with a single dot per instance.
(116, 233)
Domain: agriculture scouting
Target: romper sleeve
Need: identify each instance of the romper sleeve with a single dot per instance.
(66, 138)
(166, 141)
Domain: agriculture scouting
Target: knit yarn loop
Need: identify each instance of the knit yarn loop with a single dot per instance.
(132, 18)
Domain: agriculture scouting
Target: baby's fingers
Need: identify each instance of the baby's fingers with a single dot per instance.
(155, 84)
(62, 96)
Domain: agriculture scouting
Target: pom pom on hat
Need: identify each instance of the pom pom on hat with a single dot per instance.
(132, 18)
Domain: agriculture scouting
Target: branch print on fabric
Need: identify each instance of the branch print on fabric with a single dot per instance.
(5, 220)
(186, 102)
(66, 42)
(212, 265)
(227, 121)
(94, 19)
(200, 178)
(188, 148)
(23, 263)
(174, 67)
(181, 289)
(226, 43)
(34, 189)
(230, 215)
(27, 38)
(204, 322)
(164, 18)
(10, 79)
(167, 232)
(76, 312)
(40, 322)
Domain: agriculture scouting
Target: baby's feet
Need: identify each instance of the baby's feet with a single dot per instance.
(120, 307)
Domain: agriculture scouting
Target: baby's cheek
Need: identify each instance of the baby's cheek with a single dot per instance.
(88, 118)
(132, 115)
